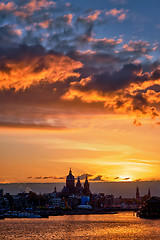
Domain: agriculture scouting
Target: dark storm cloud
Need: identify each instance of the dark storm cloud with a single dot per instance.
(96, 62)
(21, 52)
(149, 66)
(8, 35)
(107, 82)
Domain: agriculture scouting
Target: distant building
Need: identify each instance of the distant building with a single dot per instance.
(70, 182)
(151, 209)
(86, 190)
(142, 198)
(1, 192)
(149, 193)
(137, 193)
(72, 189)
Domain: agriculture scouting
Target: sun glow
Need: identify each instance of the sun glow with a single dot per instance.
(125, 178)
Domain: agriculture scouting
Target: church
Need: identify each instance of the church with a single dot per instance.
(75, 189)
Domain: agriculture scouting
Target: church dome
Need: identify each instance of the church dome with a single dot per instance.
(70, 176)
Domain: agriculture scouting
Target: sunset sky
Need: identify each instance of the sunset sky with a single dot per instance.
(79, 88)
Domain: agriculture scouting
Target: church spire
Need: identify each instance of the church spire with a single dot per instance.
(137, 193)
(86, 186)
(78, 184)
(149, 193)
(70, 171)
(55, 189)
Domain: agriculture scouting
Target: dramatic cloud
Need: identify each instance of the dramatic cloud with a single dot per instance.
(54, 56)
(32, 65)
(124, 91)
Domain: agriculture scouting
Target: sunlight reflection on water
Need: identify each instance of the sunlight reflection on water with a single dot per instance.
(114, 227)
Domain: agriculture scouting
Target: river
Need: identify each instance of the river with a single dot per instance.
(109, 227)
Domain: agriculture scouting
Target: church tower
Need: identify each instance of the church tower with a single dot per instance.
(55, 189)
(78, 184)
(137, 193)
(70, 182)
(86, 190)
(149, 193)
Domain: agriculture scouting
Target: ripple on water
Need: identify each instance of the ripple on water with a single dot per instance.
(110, 227)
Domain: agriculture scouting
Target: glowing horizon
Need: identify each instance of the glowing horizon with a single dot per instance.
(80, 88)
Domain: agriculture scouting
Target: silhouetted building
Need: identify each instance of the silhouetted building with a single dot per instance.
(70, 182)
(78, 184)
(137, 193)
(79, 188)
(86, 190)
(71, 189)
(55, 190)
(151, 209)
(149, 193)
(1, 192)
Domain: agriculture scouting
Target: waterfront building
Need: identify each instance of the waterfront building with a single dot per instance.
(56, 202)
(151, 208)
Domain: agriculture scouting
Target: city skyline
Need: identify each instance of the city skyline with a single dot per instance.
(79, 88)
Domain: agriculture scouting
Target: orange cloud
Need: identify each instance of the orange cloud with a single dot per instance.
(122, 17)
(44, 24)
(128, 100)
(109, 41)
(33, 6)
(136, 46)
(120, 14)
(37, 5)
(88, 97)
(68, 18)
(31, 70)
(10, 6)
(114, 12)
(93, 16)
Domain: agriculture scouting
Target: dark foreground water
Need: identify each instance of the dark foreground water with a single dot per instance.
(115, 227)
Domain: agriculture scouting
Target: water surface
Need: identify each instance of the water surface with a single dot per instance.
(109, 227)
